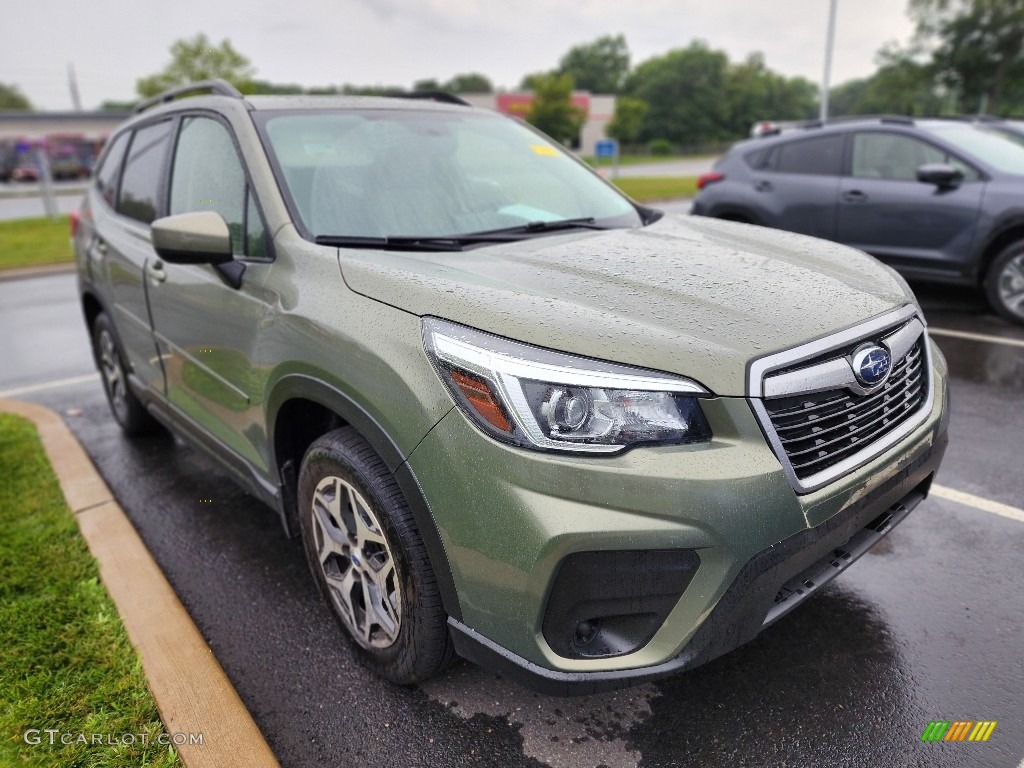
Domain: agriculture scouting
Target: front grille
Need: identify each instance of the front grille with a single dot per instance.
(821, 429)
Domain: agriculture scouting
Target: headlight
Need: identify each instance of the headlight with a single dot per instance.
(546, 400)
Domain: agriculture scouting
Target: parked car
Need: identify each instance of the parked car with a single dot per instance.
(24, 168)
(66, 165)
(511, 413)
(939, 200)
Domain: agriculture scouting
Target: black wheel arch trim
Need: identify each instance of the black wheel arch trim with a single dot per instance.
(302, 386)
(1005, 224)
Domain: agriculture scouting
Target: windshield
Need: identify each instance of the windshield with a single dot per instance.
(990, 146)
(419, 173)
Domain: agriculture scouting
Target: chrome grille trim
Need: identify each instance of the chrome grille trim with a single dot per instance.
(778, 376)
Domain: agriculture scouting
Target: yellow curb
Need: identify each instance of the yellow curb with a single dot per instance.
(192, 693)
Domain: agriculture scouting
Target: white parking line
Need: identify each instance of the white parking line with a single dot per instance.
(49, 385)
(986, 505)
(975, 336)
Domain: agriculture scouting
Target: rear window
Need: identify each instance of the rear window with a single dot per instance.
(821, 156)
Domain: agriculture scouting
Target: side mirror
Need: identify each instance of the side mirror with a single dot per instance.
(201, 237)
(941, 175)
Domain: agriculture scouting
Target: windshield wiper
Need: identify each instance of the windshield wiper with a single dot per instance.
(456, 242)
(585, 222)
(394, 243)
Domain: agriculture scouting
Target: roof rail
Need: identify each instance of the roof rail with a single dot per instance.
(218, 86)
(897, 119)
(439, 96)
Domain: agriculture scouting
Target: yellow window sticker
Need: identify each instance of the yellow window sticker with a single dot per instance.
(544, 149)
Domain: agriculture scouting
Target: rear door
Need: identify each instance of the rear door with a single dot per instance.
(122, 248)
(796, 184)
(887, 212)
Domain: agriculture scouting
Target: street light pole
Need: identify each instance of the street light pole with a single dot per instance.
(829, 44)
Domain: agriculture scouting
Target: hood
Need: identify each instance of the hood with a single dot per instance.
(687, 295)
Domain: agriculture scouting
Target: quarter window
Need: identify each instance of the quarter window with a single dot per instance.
(140, 184)
(820, 156)
(208, 176)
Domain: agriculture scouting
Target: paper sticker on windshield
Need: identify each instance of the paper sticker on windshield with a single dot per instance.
(316, 149)
(544, 149)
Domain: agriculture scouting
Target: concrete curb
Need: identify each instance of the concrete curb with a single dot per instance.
(192, 693)
(42, 270)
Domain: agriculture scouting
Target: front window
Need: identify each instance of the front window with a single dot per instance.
(988, 145)
(896, 157)
(418, 173)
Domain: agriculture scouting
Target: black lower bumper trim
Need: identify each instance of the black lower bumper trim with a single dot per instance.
(771, 584)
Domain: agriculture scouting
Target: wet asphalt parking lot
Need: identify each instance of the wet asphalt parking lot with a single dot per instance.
(928, 626)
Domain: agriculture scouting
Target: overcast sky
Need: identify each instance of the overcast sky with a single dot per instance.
(394, 42)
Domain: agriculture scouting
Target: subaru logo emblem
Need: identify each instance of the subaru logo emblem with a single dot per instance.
(871, 365)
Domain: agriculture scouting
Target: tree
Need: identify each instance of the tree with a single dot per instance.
(118, 106)
(754, 93)
(901, 85)
(552, 110)
(683, 88)
(11, 97)
(471, 82)
(599, 67)
(628, 119)
(529, 82)
(198, 59)
(429, 84)
(977, 49)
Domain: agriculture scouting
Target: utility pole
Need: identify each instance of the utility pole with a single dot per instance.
(829, 45)
(76, 100)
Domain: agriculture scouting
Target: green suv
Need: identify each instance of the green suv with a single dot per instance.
(512, 414)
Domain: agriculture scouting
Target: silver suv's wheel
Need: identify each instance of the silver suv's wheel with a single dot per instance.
(368, 559)
(1005, 283)
(127, 408)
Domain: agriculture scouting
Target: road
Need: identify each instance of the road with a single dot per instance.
(929, 626)
(23, 201)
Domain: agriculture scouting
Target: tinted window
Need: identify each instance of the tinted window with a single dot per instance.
(897, 157)
(106, 174)
(822, 156)
(141, 180)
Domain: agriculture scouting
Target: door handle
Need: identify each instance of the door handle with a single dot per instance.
(763, 186)
(100, 247)
(156, 272)
(854, 196)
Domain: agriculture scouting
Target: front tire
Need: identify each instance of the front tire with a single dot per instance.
(128, 410)
(1004, 285)
(369, 561)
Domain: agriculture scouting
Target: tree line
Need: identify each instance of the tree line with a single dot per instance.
(966, 57)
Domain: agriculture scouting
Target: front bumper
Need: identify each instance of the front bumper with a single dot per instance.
(508, 518)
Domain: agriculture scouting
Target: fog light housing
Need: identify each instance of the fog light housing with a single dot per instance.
(611, 603)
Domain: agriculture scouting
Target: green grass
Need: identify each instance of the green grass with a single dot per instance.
(647, 188)
(31, 242)
(67, 662)
(606, 162)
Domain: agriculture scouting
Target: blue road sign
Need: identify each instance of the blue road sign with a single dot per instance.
(606, 148)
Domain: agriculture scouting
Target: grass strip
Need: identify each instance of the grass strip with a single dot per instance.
(67, 663)
(32, 242)
(647, 188)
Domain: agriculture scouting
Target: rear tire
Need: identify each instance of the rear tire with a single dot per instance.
(369, 561)
(1004, 284)
(128, 410)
